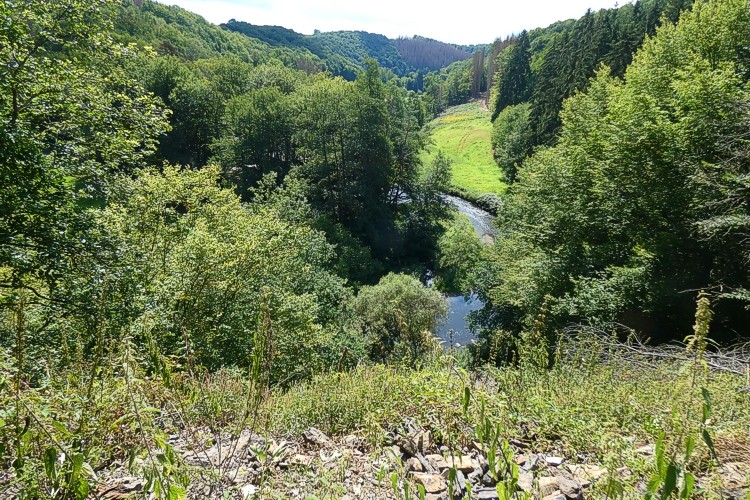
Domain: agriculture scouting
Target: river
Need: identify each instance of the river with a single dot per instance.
(480, 219)
(456, 329)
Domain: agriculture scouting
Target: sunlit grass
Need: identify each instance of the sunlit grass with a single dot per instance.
(462, 133)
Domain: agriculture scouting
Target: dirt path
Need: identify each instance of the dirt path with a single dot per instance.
(482, 101)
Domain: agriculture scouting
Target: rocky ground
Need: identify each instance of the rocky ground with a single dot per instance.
(316, 466)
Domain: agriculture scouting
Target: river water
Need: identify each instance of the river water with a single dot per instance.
(456, 329)
(480, 219)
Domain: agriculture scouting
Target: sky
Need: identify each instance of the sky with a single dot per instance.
(453, 22)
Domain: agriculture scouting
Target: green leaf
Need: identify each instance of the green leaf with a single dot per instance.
(689, 448)
(710, 443)
(670, 482)
(50, 462)
(131, 458)
(61, 428)
(466, 399)
(659, 454)
(176, 492)
(82, 490)
(688, 485)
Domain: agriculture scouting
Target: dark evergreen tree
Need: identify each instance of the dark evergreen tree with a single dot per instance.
(513, 79)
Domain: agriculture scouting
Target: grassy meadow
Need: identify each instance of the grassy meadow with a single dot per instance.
(462, 133)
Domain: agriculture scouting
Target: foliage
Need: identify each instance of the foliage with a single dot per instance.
(72, 121)
(459, 253)
(174, 31)
(513, 79)
(511, 138)
(606, 221)
(256, 137)
(342, 52)
(420, 52)
(209, 265)
(398, 317)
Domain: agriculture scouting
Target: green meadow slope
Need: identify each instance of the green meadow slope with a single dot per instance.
(463, 133)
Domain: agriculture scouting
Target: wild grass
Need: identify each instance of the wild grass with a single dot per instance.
(463, 133)
(596, 405)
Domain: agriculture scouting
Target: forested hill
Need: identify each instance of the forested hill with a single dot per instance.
(171, 30)
(345, 51)
(421, 52)
(545, 66)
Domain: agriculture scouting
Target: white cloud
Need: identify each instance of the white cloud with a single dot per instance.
(476, 22)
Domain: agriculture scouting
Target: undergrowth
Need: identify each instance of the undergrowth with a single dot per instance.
(592, 405)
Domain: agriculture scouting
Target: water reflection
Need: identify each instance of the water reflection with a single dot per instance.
(459, 309)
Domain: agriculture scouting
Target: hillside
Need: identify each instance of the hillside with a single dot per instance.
(462, 134)
(223, 270)
(171, 30)
(342, 51)
(425, 53)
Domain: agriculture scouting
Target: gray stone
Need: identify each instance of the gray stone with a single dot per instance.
(437, 461)
(461, 480)
(648, 450)
(353, 441)
(475, 477)
(408, 446)
(554, 461)
(436, 496)
(414, 465)
(424, 441)
(488, 480)
(125, 487)
(486, 494)
(555, 496)
(569, 488)
(526, 482)
(532, 463)
(316, 437)
(547, 485)
(586, 473)
(464, 463)
(433, 483)
(249, 491)
(425, 463)
(299, 460)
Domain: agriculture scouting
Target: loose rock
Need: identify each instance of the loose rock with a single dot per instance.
(486, 494)
(464, 463)
(547, 485)
(526, 482)
(414, 465)
(569, 488)
(249, 491)
(433, 483)
(316, 437)
(437, 461)
(555, 496)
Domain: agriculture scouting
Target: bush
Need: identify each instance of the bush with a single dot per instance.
(398, 316)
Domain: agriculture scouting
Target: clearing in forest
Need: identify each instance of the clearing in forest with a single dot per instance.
(463, 133)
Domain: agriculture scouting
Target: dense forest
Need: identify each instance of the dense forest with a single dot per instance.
(220, 238)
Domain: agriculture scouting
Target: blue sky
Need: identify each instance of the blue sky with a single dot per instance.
(450, 21)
